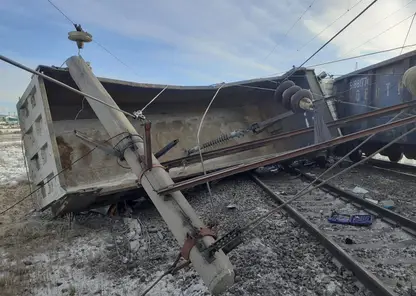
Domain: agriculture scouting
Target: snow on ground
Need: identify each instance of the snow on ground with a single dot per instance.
(12, 168)
(404, 160)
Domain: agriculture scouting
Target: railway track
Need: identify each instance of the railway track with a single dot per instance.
(393, 167)
(382, 256)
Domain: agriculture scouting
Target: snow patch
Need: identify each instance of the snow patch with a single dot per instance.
(12, 167)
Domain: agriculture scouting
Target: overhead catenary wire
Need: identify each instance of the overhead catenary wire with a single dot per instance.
(328, 26)
(58, 9)
(408, 31)
(361, 56)
(378, 35)
(94, 41)
(290, 29)
(374, 25)
(339, 32)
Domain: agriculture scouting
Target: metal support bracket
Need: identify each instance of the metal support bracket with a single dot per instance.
(258, 127)
(227, 243)
(192, 241)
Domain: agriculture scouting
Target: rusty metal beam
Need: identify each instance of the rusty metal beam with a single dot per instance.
(267, 141)
(288, 155)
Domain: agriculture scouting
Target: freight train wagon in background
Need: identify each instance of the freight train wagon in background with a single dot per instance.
(373, 87)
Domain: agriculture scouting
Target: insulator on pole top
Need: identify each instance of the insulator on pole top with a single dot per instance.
(79, 36)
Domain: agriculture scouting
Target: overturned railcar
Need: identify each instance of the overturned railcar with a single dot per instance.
(59, 130)
(377, 86)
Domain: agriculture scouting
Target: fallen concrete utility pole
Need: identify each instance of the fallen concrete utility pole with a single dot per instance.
(284, 156)
(217, 272)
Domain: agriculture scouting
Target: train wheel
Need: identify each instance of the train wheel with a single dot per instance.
(395, 156)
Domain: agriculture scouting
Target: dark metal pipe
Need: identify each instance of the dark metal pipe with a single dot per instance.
(166, 149)
(285, 156)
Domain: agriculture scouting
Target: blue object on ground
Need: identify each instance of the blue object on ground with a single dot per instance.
(357, 220)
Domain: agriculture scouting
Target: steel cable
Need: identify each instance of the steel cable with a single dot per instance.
(408, 31)
(328, 26)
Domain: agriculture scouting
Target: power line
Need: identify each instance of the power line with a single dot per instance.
(371, 39)
(328, 26)
(96, 42)
(339, 32)
(57, 8)
(361, 56)
(118, 59)
(290, 29)
(408, 31)
(386, 17)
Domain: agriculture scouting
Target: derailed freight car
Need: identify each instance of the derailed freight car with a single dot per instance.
(59, 128)
(377, 86)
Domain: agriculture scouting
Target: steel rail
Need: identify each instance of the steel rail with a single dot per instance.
(400, 220)
(284, 156)
(364, 276)
(392, 165)
(267, 141)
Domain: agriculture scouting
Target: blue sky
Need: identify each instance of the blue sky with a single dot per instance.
(193, 42)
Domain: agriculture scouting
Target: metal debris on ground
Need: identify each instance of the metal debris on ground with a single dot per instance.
(355, 220)
(372, 200)
(388, 204)
(360, 190)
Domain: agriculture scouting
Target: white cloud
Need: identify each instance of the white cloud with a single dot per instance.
(373, 22)
(219, 40)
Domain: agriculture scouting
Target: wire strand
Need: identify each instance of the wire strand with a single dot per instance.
(57, 8)
(199, 146)
(361, 56)
(290, 29)
(339, 32)
(408, 31)
(152, 100)
(378, 35)
(117, 58)
(328, 26)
